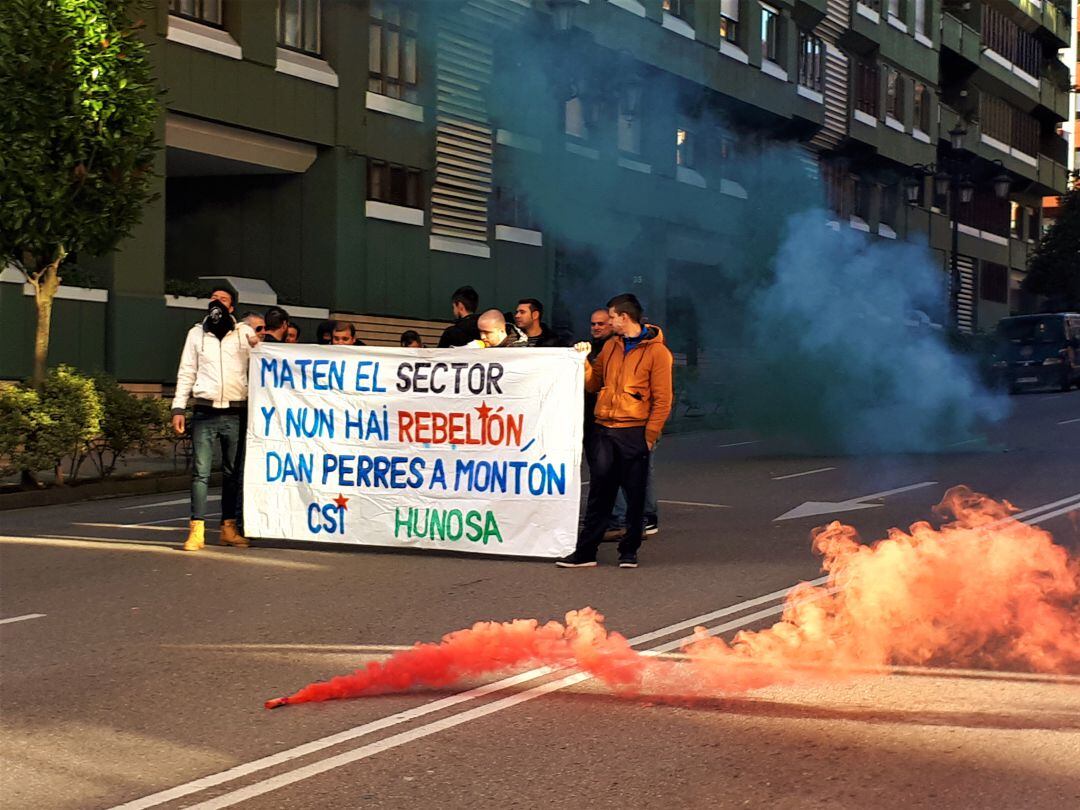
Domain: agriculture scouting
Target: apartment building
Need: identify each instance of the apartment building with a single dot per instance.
(1070, 127)
(363, 159)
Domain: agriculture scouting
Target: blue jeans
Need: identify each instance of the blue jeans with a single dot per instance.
(618, 514)
(227, 429)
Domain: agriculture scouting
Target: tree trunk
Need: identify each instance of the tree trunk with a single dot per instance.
(45, 283)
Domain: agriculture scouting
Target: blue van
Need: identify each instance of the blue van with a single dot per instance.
(1039, 351)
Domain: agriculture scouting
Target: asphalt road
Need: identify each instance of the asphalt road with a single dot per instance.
(133, 673)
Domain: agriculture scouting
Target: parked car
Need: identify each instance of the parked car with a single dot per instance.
(1039, 351)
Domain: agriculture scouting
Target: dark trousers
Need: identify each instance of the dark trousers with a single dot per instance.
(226, 429)
(618, 457)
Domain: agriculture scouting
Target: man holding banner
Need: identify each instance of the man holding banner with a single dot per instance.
(632, 377)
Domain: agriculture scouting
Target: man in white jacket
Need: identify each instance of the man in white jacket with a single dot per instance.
(212, 381)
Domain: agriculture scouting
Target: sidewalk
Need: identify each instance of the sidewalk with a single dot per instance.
(138, 474)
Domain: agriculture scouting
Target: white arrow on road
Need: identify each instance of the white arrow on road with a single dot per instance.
(811, 508)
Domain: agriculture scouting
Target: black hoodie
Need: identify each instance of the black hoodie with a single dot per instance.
(546, 339)
(460, 332)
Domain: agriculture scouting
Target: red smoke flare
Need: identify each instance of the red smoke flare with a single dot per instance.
(984, 590)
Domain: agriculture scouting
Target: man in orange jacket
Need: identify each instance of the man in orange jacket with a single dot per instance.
(632, 377)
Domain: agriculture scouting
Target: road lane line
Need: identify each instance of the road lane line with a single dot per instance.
(239, 771)
(23, 618)
(1062, 511)
(1074, 500)
(697, 503)
(739, 444)
(184, 518)
(404, 737)
(965, 441)
(177, 502)
(799, 475)
(1069, 421)
(147, 527)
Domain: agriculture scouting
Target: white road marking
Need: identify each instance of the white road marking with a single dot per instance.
(23, 618)
(184, 518)
(965, 441)
(739, 444)
(270, 761)
(799, 475)
(1072, 500)
(815, 508)
(696, 503)
(1063, 510)
(348, 757)
(148, 527)
(1069, 421)
(176, 502)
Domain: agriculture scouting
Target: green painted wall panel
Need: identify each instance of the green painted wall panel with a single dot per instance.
(77, 337)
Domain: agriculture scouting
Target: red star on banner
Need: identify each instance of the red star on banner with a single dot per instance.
(483, 410)
(341, 500)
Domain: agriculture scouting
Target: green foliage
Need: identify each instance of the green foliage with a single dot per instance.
(78, 115)
(19, 419)
(1054, 267)
(44, 426)
(128, 423)
(76, 417)
(194, 289)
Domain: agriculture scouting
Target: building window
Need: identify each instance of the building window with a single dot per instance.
(684, 148)
(392, 68)
(393, 184)
(922, 107)
(862, 200)
(839, 187)
(994, 283)
(890, 202)
(628, 125)
(770, 33)
(512, 208)
(683, 9)
(729, 20)
(894, 94)
(581, 113)
(922, 17)
(1031, 217)
(986, 213)
(298, 25)
(811, 61)
(207, 12)
(1016, 213)
(898, 9)
(866, 88)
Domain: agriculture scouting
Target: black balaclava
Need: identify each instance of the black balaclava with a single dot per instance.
(218, 321)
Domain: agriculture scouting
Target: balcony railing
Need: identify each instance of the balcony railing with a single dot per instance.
(987, 213)
(1006, 38)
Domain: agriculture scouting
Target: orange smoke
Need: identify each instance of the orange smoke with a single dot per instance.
(984, 590)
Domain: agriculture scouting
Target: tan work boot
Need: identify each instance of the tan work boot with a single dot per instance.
(196, 538)
(230, 535)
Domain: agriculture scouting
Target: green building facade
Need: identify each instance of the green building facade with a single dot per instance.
(364, 158)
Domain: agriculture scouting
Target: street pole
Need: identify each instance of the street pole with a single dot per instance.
(954, 268)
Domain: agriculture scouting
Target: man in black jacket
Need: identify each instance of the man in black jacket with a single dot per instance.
(464, 303)
(528, 317)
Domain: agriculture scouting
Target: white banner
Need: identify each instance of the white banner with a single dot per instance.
(473, 450)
